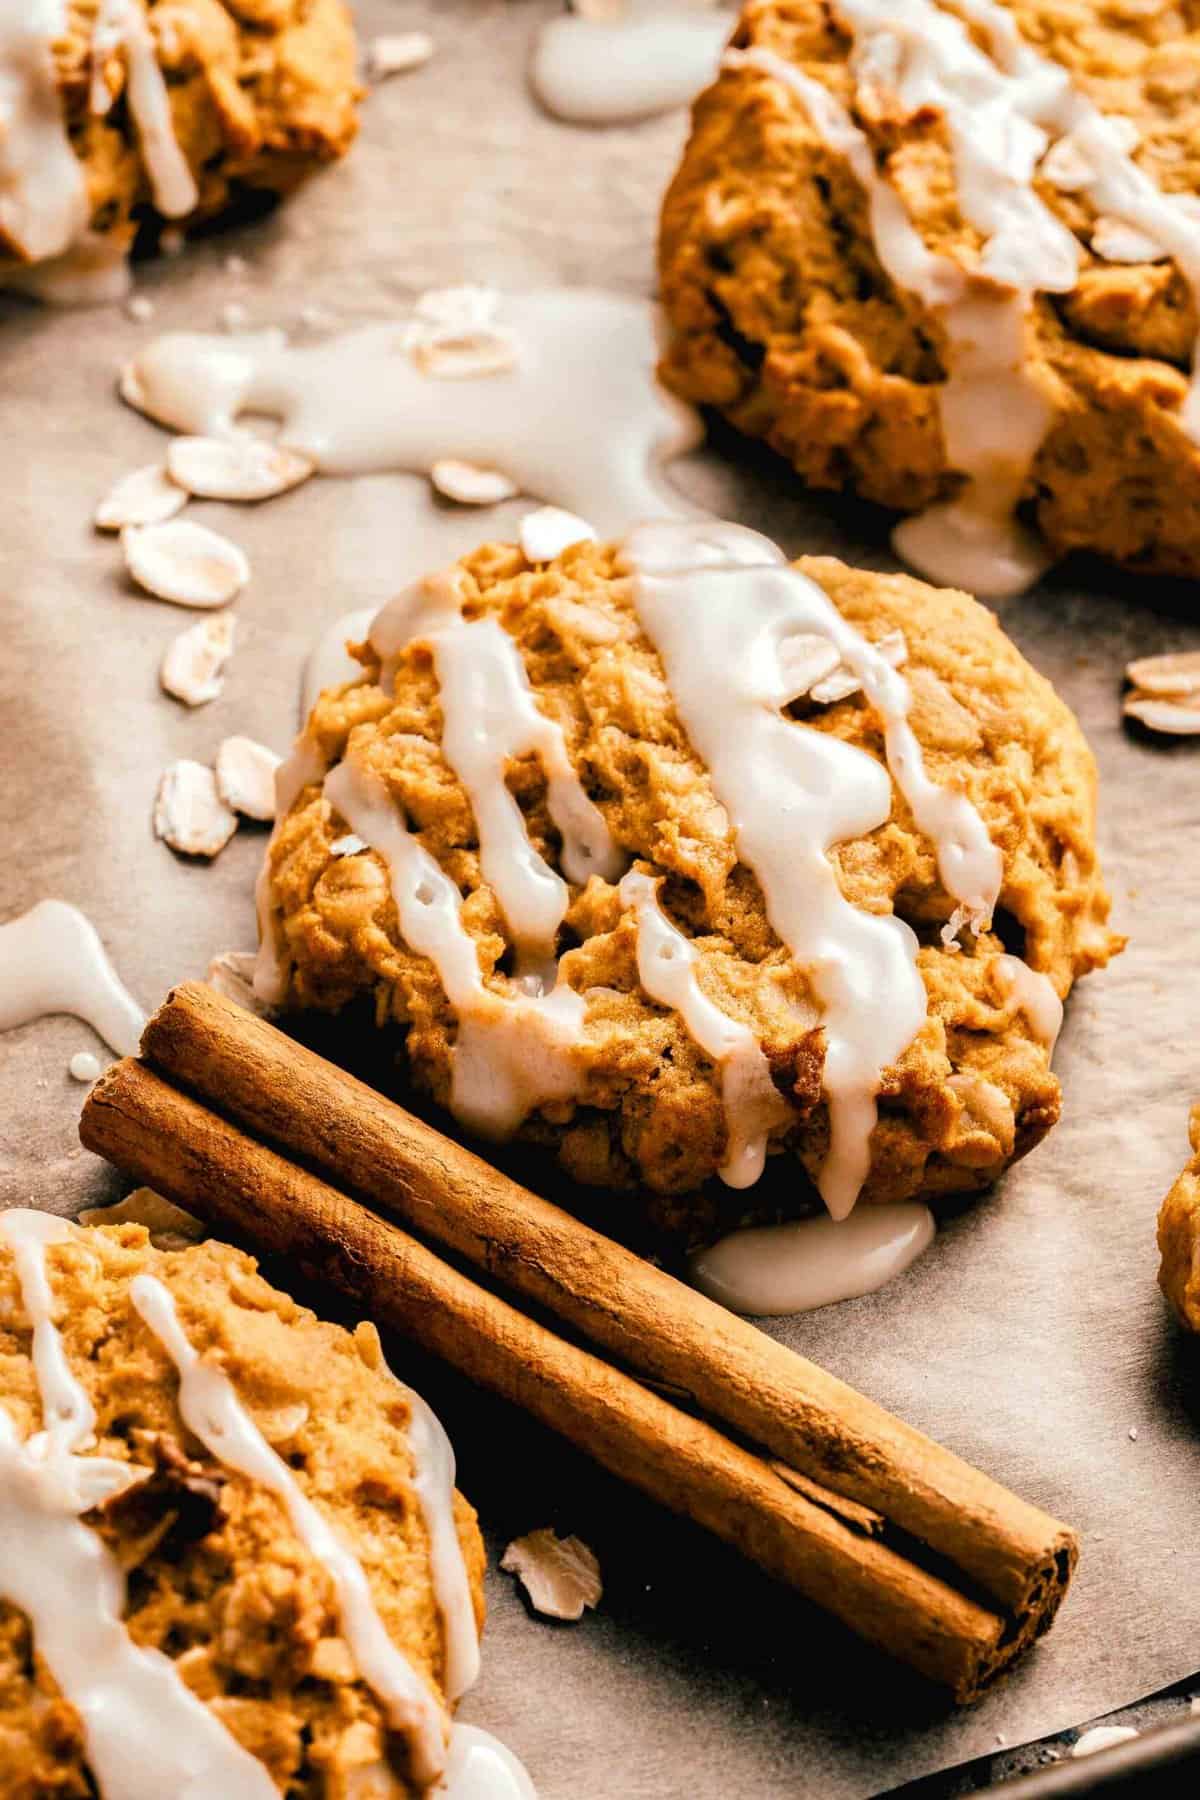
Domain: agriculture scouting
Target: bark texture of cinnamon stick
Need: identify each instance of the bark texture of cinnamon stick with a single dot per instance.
(1006, 1563)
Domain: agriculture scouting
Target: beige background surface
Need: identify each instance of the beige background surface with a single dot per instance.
(1031, 1338)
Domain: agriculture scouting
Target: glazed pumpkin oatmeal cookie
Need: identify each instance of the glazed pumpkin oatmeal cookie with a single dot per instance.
(234, 1560)
(945, 253)
(121, 111)
(674, 858)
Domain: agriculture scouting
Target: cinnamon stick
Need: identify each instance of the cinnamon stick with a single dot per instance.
(1011, 1551)
(186, 1151)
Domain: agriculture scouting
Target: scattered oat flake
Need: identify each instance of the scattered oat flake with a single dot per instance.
(140, 307)
(239, 468)
(397, 52)
(246, 777)
(560, 1575)
(193, 665)
(1133, 1432)
(1175, 717)
(1102, 1737)
(350, 845)
(1174, 674)
(184, 563)
(84, 1066)
(231, 974)
(169, 1226)
(469, 484)
(549, 531)
(1117, 242)
(464, 354)
(147, 496)
(189, 813)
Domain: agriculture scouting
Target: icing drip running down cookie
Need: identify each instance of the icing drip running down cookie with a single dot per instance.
(656, 858)
(110, 111)
(927, 259)
(193, 1439)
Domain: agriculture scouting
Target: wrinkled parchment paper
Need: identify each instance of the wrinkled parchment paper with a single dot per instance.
(1031, 1338)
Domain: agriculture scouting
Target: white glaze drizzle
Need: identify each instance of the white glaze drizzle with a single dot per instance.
(330, 664)
(667, 963)
(479, 1767)
(489, 715)
(43, 194)
(771, 1270)
(433, 1481)
(146, 1734)
(718, 603)
(52, 961)
(653, 56)
(121, 24)
(512, 1053)
(1035, 995)
(1002, 113)
(211, 1410)
(362, 402)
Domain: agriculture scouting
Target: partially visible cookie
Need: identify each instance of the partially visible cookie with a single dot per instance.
(1179, 1236)
(172, 108)
(846, 279)
(262, 1665)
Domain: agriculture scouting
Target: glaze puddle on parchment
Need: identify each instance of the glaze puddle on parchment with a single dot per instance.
(642, 57)
(770, 1270)
(1006, 107)
(52, 961)
(557, 390)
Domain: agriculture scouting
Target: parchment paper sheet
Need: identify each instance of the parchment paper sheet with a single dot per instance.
(1030, 1339)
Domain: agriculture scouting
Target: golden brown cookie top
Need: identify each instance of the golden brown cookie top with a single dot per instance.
(1179, 1236)
(218, 1573)
(644, 1105)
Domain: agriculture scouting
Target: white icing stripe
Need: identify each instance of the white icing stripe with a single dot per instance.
(68, 1415)
(1036, 996)
(433, 1479)
(993, 413)
(43, 193)
(718, 603)
(666, 962)
(365, 401)
(489, 715)
(481, 1768)
(146, 1734)
(210, 1408)
(171, 180)
(52, 961)
(511, 1055)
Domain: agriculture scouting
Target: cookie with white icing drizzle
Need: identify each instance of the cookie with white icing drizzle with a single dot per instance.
(947, 253)
(663, 863)
(114, 110)
(234, 1561)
